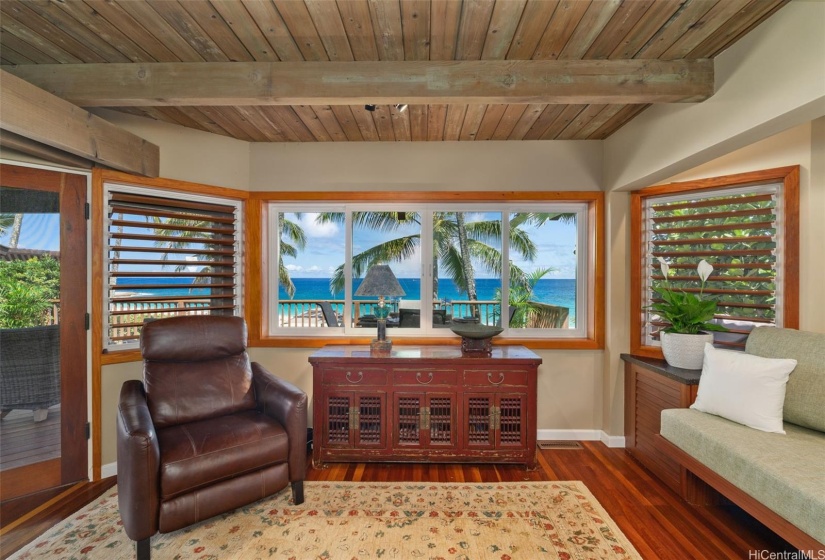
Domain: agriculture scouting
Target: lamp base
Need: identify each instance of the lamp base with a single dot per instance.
(380, 347)
(478, 346)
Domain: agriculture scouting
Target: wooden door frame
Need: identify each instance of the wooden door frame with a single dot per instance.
(72, 465)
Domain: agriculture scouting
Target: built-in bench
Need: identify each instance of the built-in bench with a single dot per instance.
(777, 478)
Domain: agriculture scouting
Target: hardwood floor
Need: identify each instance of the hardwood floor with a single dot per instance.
(25, 441)
(654, 518)
(23, 519)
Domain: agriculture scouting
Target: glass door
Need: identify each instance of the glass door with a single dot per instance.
(42, 330)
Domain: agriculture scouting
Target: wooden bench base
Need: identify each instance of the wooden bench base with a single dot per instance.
(702, 486)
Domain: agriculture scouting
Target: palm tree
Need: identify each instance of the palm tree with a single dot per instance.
(15, 221)
(6, 221)
(527, 312)
(293, 240)
(457, 244)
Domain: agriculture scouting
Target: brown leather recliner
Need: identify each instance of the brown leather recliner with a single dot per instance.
(206, 432)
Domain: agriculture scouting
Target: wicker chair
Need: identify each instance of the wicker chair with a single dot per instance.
(29, 370)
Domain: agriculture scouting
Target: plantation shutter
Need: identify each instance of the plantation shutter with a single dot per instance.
(737, 231)
(167, 257)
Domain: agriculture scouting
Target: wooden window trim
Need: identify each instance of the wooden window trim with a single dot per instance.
(788, 176)
(256, 264)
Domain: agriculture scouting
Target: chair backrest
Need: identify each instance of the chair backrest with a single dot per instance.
(805, 392)
(329, 314)
(195, 367)
(410, 318)
(510, 312)
(30, 367)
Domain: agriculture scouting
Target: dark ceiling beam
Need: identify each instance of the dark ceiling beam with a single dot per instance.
(355, 83)
(31, 113)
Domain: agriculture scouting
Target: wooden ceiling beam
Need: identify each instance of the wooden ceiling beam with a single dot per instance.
(37, 115)
(577, 82)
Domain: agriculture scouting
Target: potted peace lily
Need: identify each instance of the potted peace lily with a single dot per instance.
(689, 315)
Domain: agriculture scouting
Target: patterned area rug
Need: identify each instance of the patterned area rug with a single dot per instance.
(355, 520)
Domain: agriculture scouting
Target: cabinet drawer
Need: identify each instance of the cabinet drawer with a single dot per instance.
(355, 376)
(495, 378)
(425, 376)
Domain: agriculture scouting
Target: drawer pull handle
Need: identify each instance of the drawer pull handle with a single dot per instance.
(428, 381)
(490, 378)
(360, 377)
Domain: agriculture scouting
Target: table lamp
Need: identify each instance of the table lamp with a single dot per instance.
(380, 282)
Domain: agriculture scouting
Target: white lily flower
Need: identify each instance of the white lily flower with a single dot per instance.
(704, 269)
(664, 266)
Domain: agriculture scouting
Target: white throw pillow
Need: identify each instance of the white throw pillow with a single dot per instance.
(744, 388)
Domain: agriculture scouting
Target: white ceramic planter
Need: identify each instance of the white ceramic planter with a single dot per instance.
(685, 350)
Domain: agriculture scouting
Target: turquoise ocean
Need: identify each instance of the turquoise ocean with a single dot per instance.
(561, 292)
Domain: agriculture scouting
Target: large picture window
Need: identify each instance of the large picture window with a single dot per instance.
(454, 263)
(166, 256)
(745, 226)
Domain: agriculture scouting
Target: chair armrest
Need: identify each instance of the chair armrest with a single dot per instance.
(287, 404)
(138, 460)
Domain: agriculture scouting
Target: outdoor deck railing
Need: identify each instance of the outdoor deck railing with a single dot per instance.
(292, 313)
(126, 326)
(307, 313)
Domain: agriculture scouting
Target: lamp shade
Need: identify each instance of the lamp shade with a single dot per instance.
(380, 281)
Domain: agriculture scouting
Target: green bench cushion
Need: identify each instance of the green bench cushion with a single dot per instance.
(805, 393)
(784, 472)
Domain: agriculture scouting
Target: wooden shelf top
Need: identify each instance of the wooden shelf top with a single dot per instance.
(684, 376)
(511, 353)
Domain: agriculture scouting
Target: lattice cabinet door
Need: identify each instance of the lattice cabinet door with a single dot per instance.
(371, 421)
(511, 420)
(355, 420)
(479, 420)
(424, 420)
(494, 420)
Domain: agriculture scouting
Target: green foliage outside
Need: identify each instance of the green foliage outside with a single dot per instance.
(527, 311)
(746, 265)
(26, 288)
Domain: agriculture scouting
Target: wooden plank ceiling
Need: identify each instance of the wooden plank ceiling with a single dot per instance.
(70, 32)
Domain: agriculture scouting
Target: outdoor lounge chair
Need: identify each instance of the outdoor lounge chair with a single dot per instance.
(30, 370)
(329, 314)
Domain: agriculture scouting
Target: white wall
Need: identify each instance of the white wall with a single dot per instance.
(190, 155)
(771, 80)
(427, 166)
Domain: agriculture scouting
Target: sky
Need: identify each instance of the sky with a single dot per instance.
(38, 231)
(324, 252)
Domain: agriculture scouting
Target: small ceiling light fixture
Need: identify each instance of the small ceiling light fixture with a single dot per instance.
(369, 107)
(401, 107)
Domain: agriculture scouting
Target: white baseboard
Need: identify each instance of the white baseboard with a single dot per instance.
(581, 435)
(107, 470)
(612, 441)
(569, 435)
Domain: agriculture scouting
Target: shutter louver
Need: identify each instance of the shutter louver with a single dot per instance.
(167, 257)
(736, 231)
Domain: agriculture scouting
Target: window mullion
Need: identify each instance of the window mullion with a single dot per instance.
(426, 278)
(348, 227)
(505, 267)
